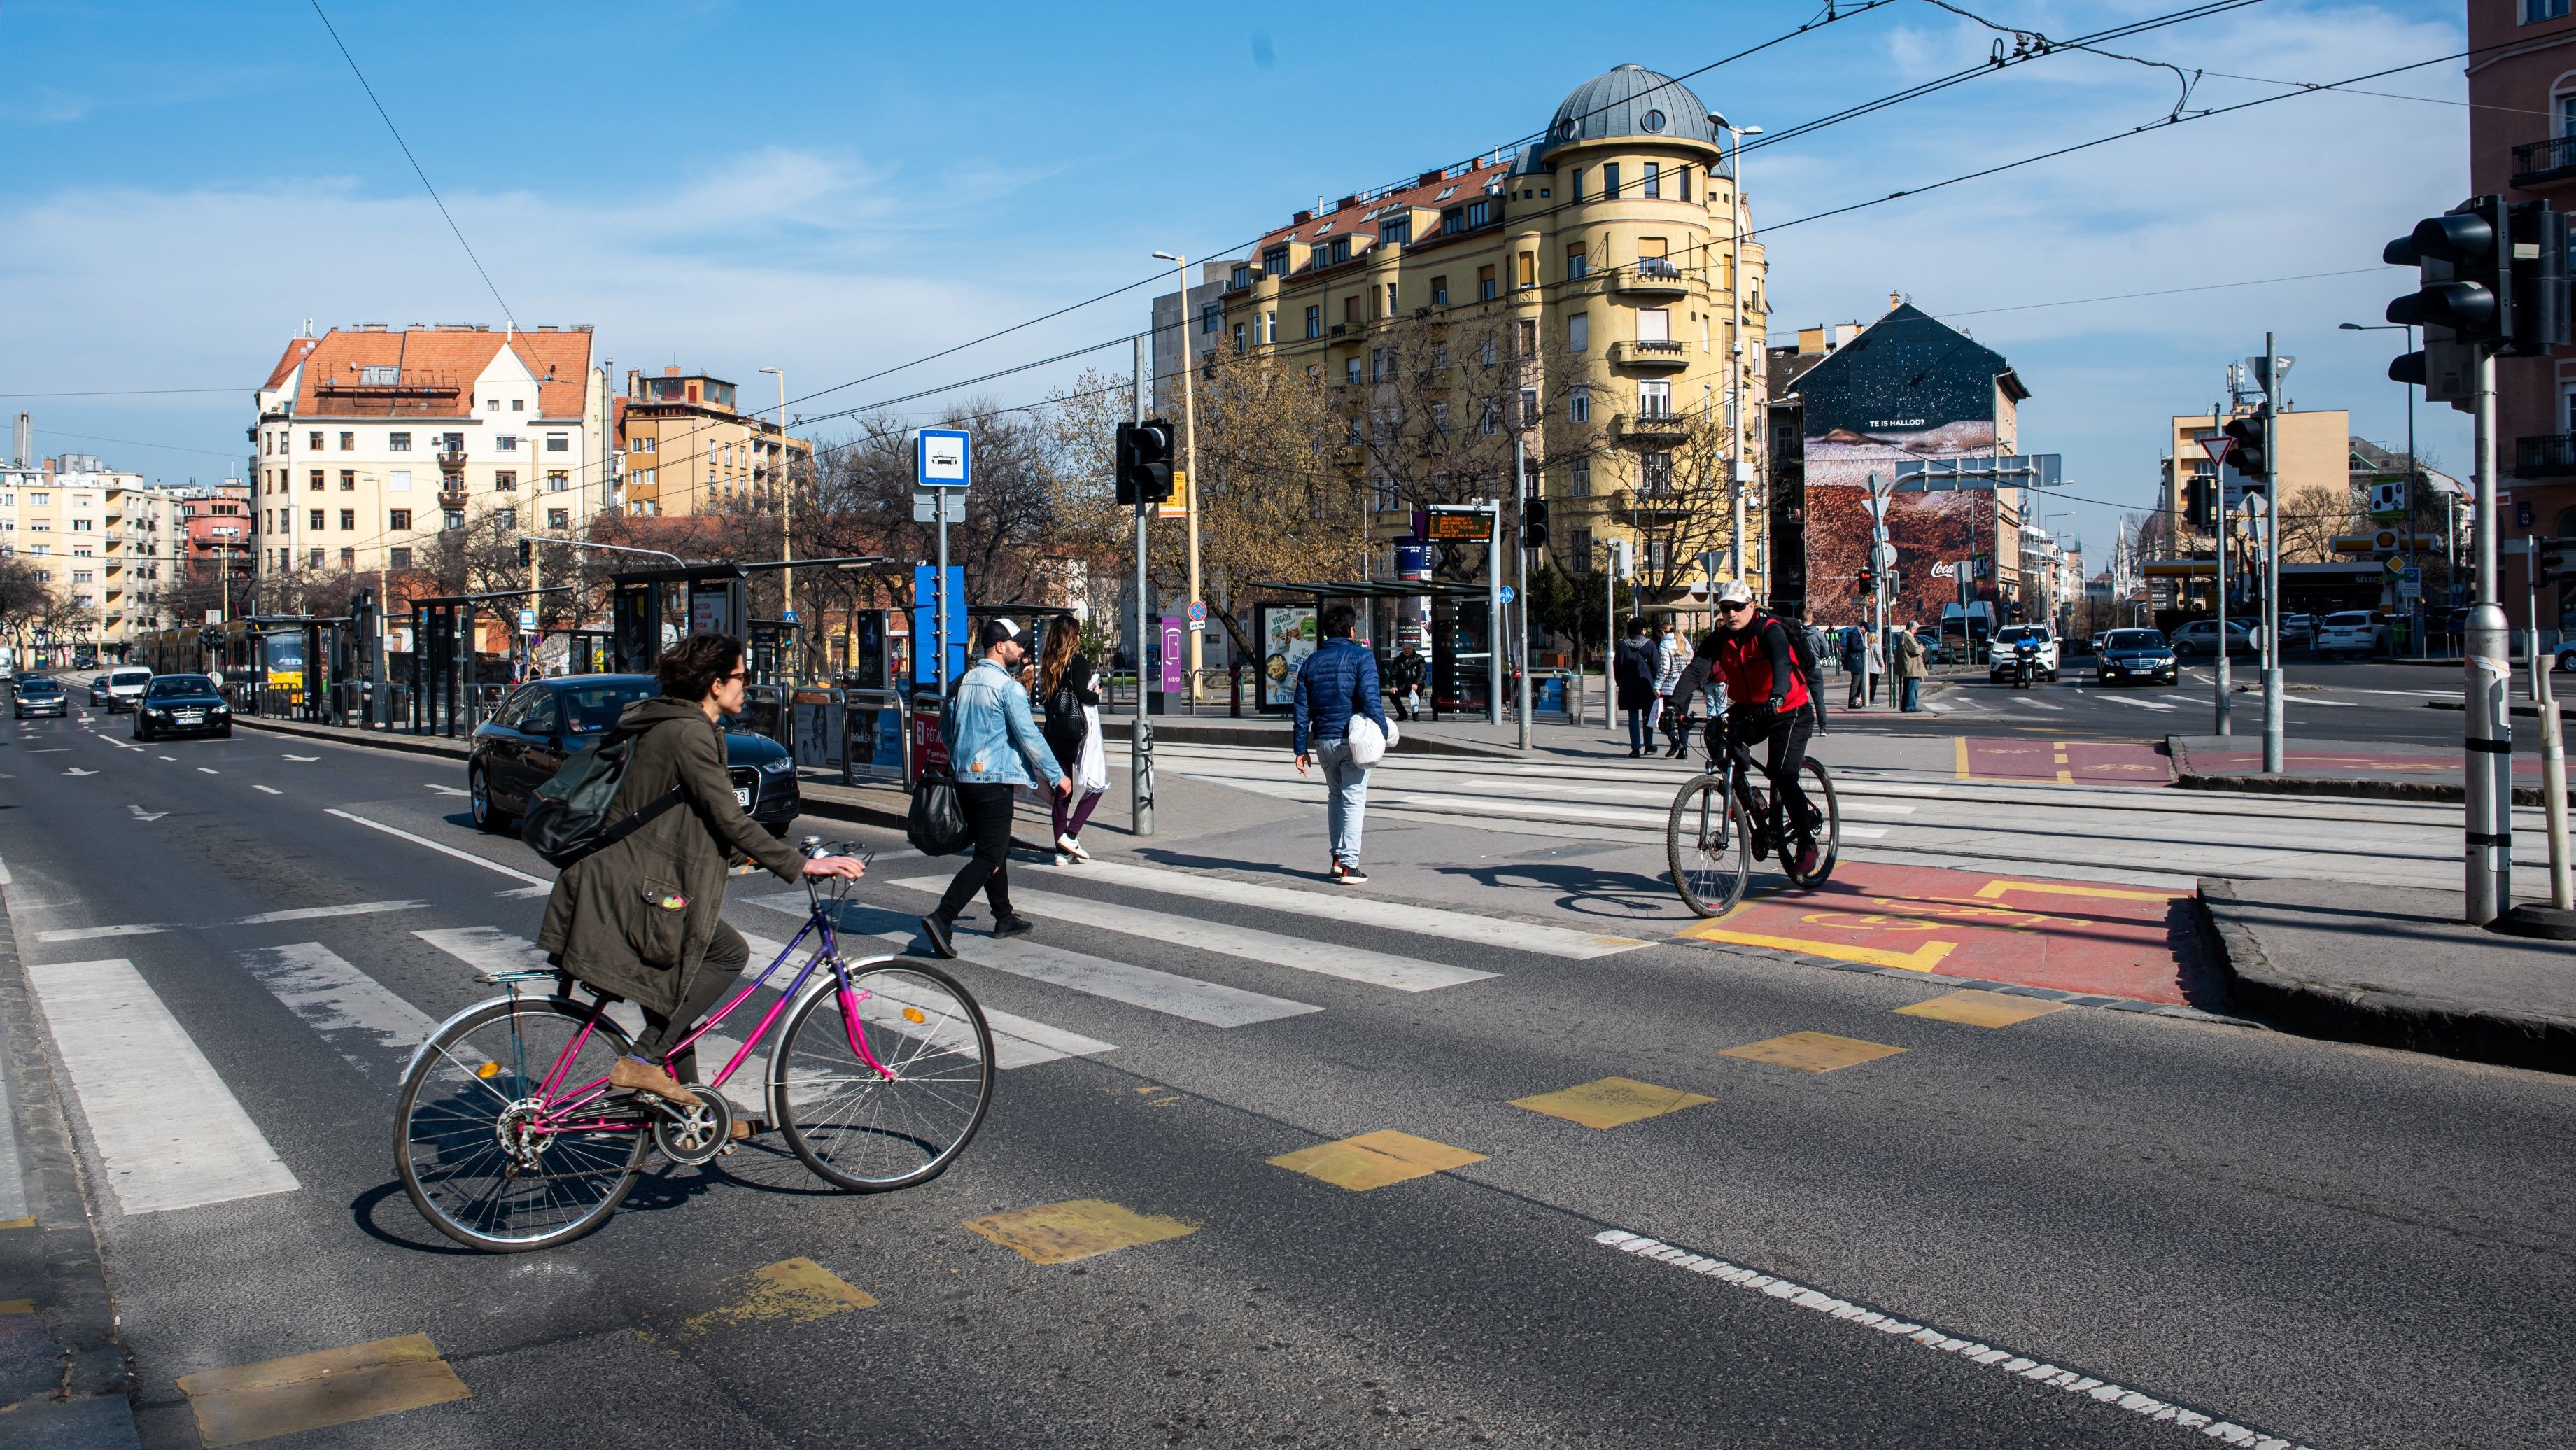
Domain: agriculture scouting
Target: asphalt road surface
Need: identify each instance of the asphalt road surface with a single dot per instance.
(2092, 1226)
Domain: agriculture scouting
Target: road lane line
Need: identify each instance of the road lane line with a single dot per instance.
(307, 758)
(1351, 964)
(488, 949)
(2020, 1366)
(268, 789)
(316, 913)
(1555, 941)
(441, 847)
(13, 1183)
(171, 1134)
(208, 770)
(93, 933)
(363, 1022)
(444, 789)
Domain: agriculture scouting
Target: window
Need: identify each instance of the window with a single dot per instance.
(348, 480)
(348, 520)
(1574, 184)
(1275, 260)
(1655, 399)
(452, 519)
(1439, 291)
(1485, 290)
(1390, 299)
(506, 518)
(398, 480)
(558, 443)
(1529, 407)
(1526, 332)
(518, 405)
(400, 519)
(509, 443)
(557, 480)
(1489, 419)
(1377, 364)
(1657, 471)
(1382, 424)
(315, 515)
(378, 376)
(1654, 324)
(1652, 183)
(1315, 321)
(1658, 555)
(348, 558)
(84, 526)
(559, 518)
(1610, 181)
(1351, 310)
(1341, 250)
(1440, 354)
(1485, 351)
(1578, 408)
(1211, 316)
(2535, 11)
(398, 443)
(1238, 337)
(316, 482)
(1239, 279)
(1578, 332)
(491, 405)
(505, 481)
(1452, 221)
(81, 576)
(1681, 181)
(642, 477)
(348, 442)
(314, 440)
(1480, 213)
(313, 558)
(1528, 276)
(1397, 232)
(398, 558)
(1579, 551)
(1351, 368)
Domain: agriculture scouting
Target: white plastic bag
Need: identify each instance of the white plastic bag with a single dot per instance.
(1091, 772)
(1368, 745)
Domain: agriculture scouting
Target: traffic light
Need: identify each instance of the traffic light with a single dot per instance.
(527, 551)
(1533, 523)
(2465, 279)
(2248, 454)
(2549, 563)
(2538, 302)
(1144, 462)
(2200, 501)
(1868, 582)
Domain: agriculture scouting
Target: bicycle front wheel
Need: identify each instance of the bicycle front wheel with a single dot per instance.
(885, 1091)
(1826, 829)
(1709, 845)
(502, 1131)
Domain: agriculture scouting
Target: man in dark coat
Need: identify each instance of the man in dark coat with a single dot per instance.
(1632, 674)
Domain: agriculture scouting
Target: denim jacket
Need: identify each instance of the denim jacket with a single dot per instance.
(990, 733)
(1336, 682)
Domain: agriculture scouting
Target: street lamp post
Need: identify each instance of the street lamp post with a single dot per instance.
(1736, 218)
(2406, 540)
(786, 516)
(1189, 460)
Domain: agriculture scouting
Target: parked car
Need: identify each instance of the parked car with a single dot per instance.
(42, 696)
(2200, 637)
(2013, 634)
(124, 686)
(541, 724)
(2127, 656)
(2298, 631)
(2355, 632)
(181, 705)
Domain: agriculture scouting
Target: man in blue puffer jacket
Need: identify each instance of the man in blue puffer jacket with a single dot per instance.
(1338, 681)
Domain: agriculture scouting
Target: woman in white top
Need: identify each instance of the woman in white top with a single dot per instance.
(1672, 656)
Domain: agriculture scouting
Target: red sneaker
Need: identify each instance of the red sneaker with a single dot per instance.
(1806, 863)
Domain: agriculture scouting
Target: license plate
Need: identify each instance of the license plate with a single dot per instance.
(200, 719)
(742, 798)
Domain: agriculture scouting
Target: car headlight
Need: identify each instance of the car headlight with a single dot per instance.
(783, 765)
(156, 712)
(218, 707)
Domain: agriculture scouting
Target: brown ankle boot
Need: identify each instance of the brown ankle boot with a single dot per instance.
(644, 1077)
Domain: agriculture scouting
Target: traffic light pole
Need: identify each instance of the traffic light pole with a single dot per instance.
(1140, 740)
(2272, 490)
(2226, 682)
(1520, 595)
(2487, 672)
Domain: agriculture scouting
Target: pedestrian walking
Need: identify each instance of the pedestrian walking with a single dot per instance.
(993, 745)
(1404, 682)
(1672, 712)
(1069, 691)
(1856, 664)
(642, 918)
(1877, 662)
(1337, 683)
(1633, 675)
(1910, 668)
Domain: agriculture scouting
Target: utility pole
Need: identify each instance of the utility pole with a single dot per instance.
(2277, 398)
(1494, 660)
(2487, 670)
(2225, 724)
(1618, 550)
(1140, 741)
(1189, 462)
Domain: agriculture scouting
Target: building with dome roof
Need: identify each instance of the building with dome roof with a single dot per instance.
(1584, 297)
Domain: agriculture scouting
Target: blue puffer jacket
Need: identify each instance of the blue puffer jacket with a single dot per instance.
(1336, 682)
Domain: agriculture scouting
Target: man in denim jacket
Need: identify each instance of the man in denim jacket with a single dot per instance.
(1337, 682)
(989, 735)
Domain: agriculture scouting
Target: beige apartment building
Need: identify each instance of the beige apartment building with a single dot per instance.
(688, 448)
(372, 443)
(100, 539)
(1591, 298)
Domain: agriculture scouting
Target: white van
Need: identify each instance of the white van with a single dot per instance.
(125, 686)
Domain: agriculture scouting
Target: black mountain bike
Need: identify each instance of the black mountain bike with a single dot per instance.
(1725, 819)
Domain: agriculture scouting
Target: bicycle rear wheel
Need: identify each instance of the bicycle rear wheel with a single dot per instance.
(1827, 834)
(1709, 845)
(488, 1149)
(867, 1130)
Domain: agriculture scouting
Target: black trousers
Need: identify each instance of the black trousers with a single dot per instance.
(988, 815)
(727, 955)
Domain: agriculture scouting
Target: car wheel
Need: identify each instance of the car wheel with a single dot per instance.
(478, 792)
(226, 733)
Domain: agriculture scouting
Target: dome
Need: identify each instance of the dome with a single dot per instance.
(1630, 101)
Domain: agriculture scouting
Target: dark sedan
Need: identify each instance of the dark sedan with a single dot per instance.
(543, 723)
(41, 696)
(2125, 656)
(181, 705)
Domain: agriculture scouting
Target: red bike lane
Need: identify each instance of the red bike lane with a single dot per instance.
(2061, 762)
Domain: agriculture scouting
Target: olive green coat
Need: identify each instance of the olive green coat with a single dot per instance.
(610, 922)
(1906, 656)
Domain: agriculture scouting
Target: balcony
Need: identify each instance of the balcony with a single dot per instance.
(451, 462)
(1657, 356)
(1653, 277)
(451, 499)
(2541, 162)
(2550, 455)
(1662, 428)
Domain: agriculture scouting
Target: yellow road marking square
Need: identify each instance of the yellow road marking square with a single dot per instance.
(799, 1291)
(1981, 1009)
(327, 1387)
(1611, 1102)
(17, 1306)
(28, 1222)
(1059, 1233)
(1374, 1160)
(1812, 1051)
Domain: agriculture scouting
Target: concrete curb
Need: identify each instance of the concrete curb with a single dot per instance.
(373, 739)
(91, 1405)
(2527, 712)
(2352, 788)
(2258, 985)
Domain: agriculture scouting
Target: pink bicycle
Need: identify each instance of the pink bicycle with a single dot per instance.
(509, 1137)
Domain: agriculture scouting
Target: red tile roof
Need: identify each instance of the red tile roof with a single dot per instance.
(1346, 219)
(296, 348)
(439, 367)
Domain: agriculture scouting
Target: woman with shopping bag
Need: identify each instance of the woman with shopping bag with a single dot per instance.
(1069, 693)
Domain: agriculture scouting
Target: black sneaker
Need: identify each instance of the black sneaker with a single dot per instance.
(935, 927)
(1013, 925)
(1350, 876)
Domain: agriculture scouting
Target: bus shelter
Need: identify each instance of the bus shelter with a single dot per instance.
(1450, 618)
(444, 679)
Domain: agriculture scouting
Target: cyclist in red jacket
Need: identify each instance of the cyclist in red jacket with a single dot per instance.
(1766, 695)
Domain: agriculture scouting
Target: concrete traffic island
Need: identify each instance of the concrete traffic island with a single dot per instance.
(2366, 770)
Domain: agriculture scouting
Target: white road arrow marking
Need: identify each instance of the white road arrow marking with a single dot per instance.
(291, 757)
(76, 770)
(141, 814)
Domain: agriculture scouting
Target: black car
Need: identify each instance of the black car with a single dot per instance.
(543, 723)
(42, 696)
(2124, 656)
(181, 705)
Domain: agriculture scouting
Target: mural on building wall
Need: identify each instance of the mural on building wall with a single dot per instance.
(1909, 386)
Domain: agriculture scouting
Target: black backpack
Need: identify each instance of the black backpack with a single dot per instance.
(567, 817)
(1802, 648)
(936, 824)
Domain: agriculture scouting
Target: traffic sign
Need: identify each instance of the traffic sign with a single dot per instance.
(527, 621)
(942, 457)
(1507, 594)
(1198, 611)
(2216, 445)
(929, 504)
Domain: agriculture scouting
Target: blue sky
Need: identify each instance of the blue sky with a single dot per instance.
(837, 189)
